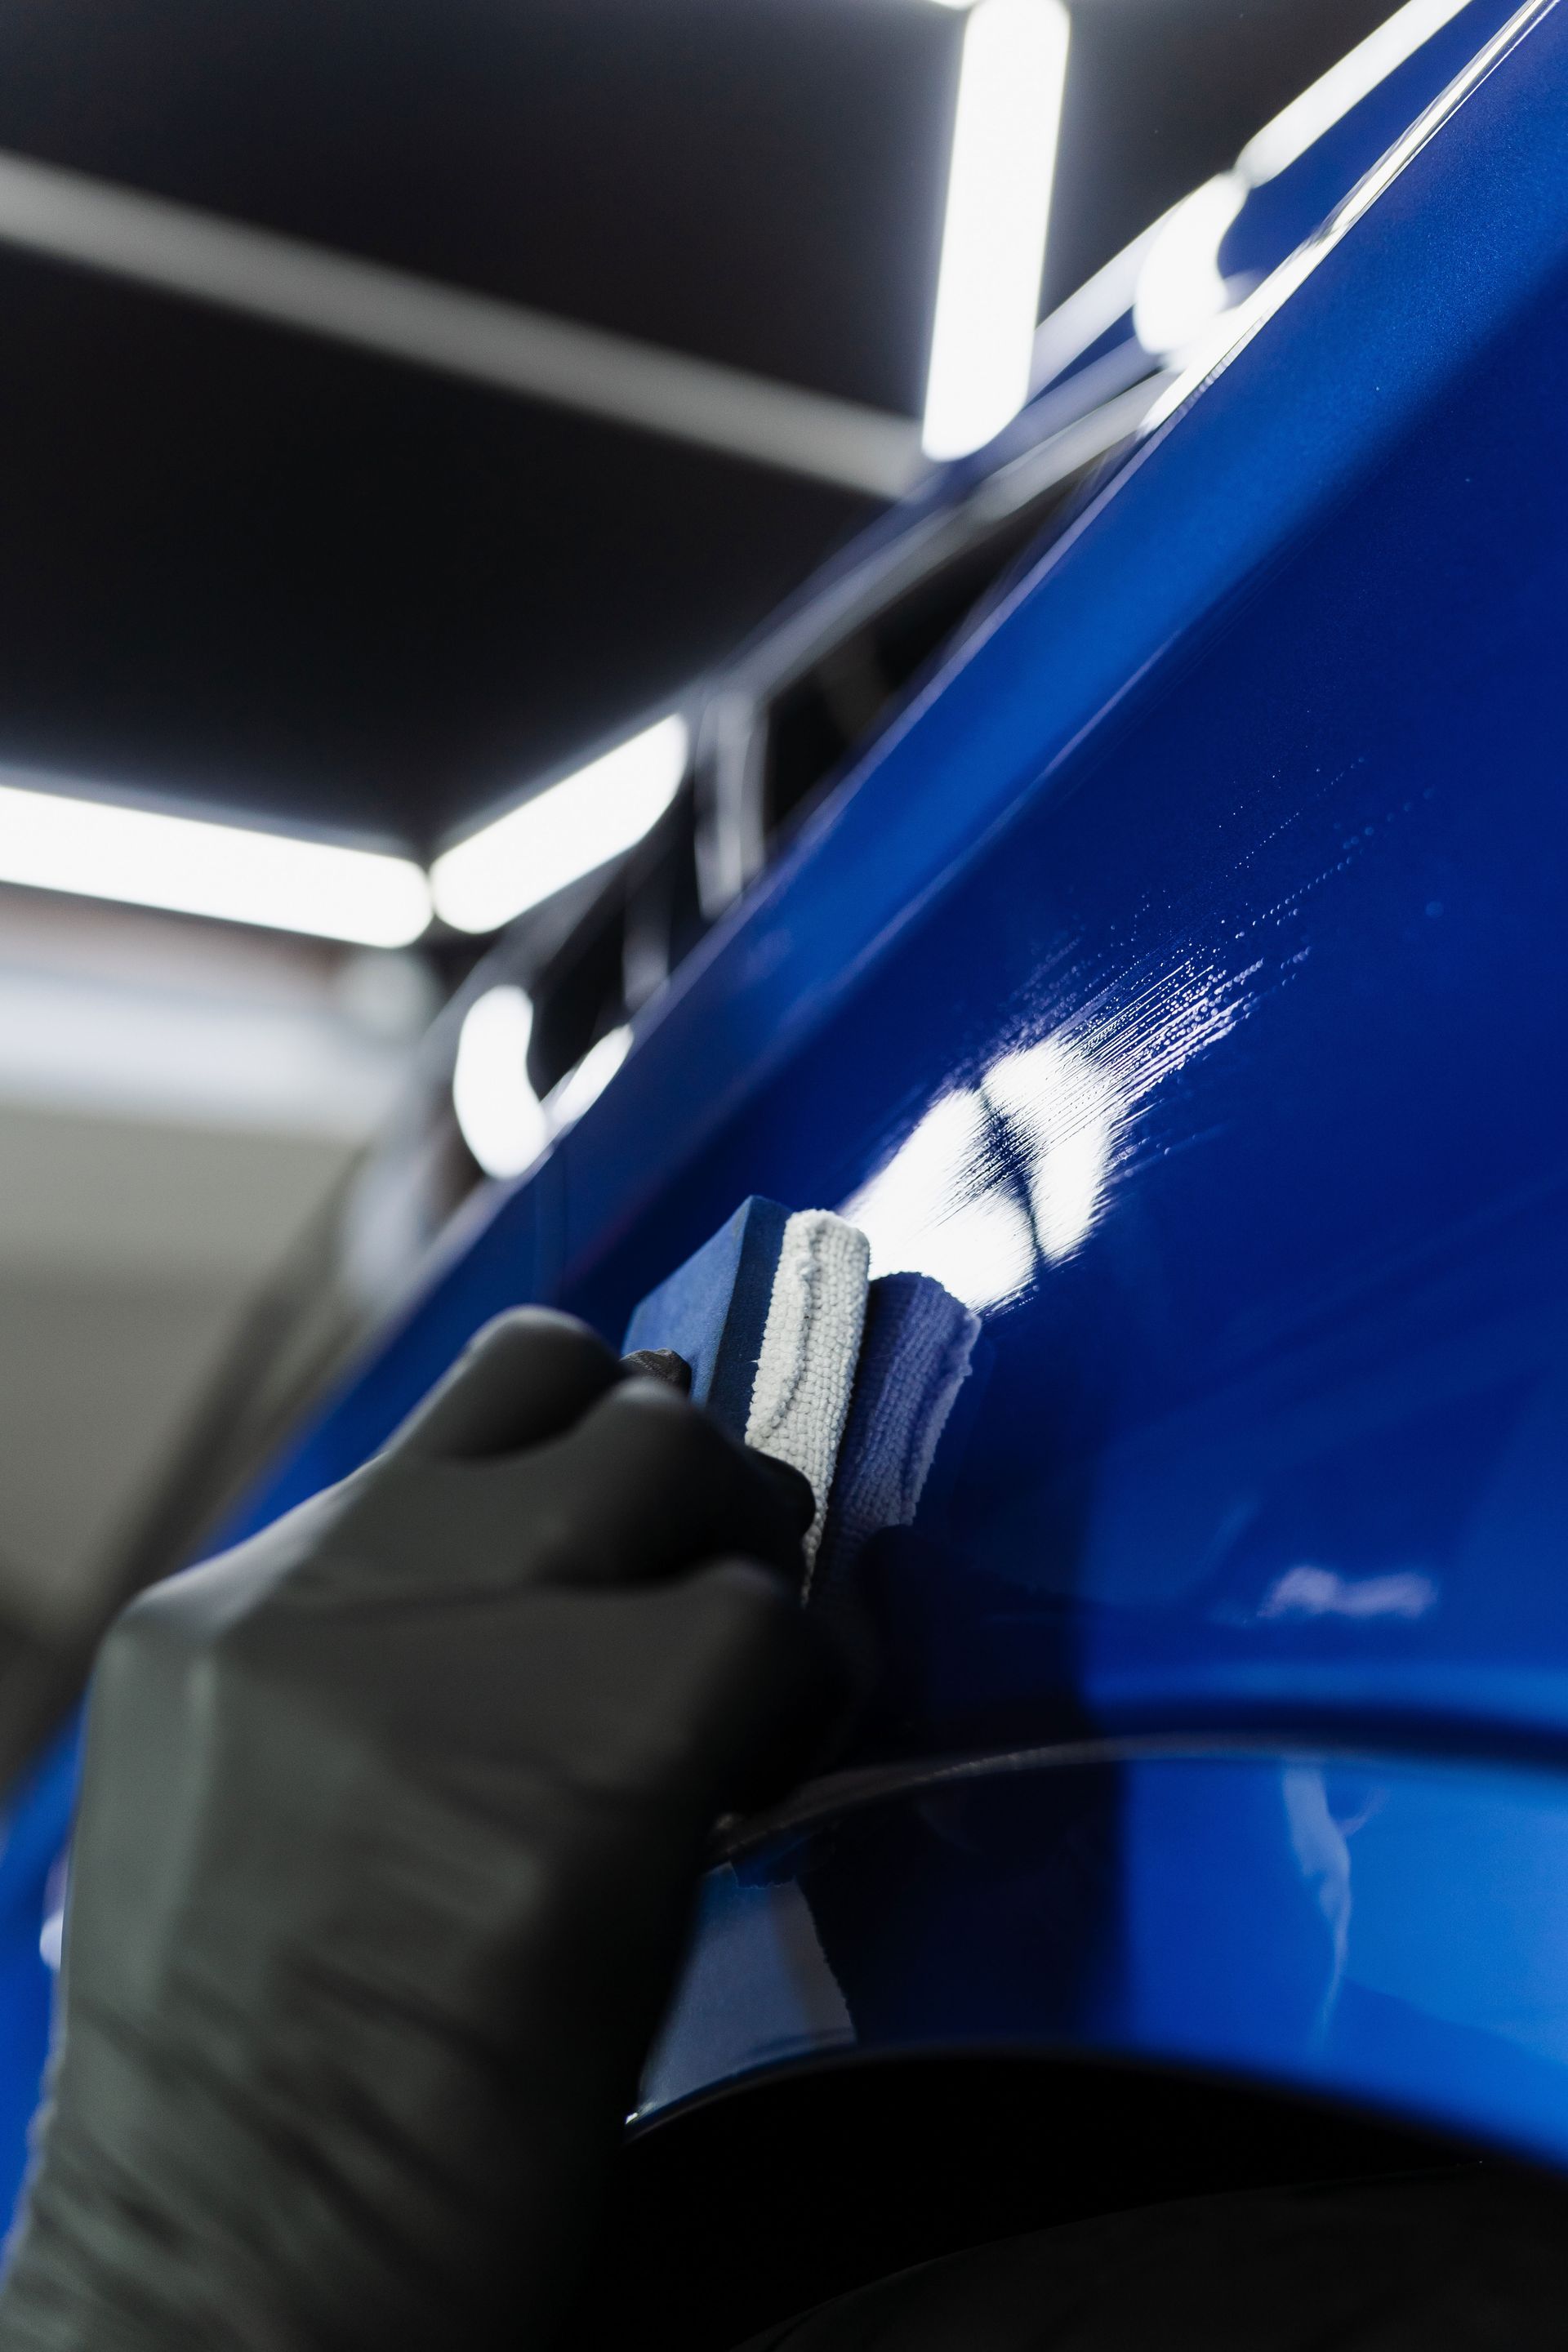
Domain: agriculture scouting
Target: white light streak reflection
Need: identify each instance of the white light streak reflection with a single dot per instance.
(1307, 1591)
(1063, 1110)
(503, 1120)
(1281, 142)
(1010, 1175)
(931, 1211)
(565, 1103)
(1180, 289)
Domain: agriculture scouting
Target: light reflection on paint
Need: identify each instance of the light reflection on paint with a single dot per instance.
(1322, 1593)
(931, 1211)
(1009, 1175)
(1180, 289)
(1062, 1109)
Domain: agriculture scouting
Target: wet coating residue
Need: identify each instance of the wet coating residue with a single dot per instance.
(1008, 1175)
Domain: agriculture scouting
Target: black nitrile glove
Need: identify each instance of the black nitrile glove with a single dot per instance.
(392, 1823)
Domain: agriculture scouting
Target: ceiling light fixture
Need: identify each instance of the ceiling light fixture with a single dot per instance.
(562, 833)
(104, 849)
(1011, 81)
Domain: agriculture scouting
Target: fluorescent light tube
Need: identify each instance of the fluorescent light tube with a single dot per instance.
(562, 833)
(1011, 81)
(102, 850)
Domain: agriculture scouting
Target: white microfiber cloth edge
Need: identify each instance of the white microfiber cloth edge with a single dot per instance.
(811, 1341)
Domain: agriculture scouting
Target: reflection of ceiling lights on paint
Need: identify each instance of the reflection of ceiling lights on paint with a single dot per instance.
(565, 1103)
(1060, 1109)
(561, 834)
(931, 1211)
(1003, 1177)
(103, 849)
(976, 1200)
(1181, 290)
(501, 1119)
(1011, 79)
(1301, 124)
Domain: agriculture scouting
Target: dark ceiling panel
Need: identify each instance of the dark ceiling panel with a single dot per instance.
(244, 568)
(757, 181)
(256, 569)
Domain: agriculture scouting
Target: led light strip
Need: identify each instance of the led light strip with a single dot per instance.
(1011, 82)
(102, 850)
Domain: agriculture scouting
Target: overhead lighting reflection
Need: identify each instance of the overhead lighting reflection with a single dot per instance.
(1061, 1108)
(565, 1103)
(562, 833)
(933, 1209)
(1006, 1177)
(1181, 290)
(1282, 141)
(501, 1119)
(102, 850)
(996, 1178)
(1309, 1592)
(503, 1122)
(1012, 77)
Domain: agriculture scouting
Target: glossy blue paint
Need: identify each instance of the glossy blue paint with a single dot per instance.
(1390, 1930)
(1183, 980)
(33, 1834)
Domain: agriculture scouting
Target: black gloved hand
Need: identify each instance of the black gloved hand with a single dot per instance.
(391, 1826)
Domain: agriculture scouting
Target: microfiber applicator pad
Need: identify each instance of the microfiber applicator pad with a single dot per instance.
(769, 1314)
(915, 1356)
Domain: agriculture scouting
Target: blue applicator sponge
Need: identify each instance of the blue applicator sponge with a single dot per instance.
(769, 1314)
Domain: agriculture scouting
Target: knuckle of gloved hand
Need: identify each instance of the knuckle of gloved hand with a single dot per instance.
(523, 1377)
(533, 1336)
(652, 1441)
(668, 1456)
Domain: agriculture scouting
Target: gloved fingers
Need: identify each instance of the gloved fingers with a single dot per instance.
(649, 1484)
(526, 1377)
(664, 1364)
(751, 1693)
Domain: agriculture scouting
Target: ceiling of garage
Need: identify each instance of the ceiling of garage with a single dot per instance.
(249, 568)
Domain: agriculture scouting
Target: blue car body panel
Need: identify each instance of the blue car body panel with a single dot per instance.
(1388, 1930)
(1185, 974)
(32, 1846)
